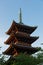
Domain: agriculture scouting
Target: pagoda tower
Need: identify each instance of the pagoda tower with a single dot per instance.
(20, 39)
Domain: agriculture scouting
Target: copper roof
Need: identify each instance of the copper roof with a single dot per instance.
(20, 27)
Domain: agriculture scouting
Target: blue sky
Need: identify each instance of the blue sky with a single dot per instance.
(32, 15)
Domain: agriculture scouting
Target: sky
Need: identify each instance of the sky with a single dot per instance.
(32, 15)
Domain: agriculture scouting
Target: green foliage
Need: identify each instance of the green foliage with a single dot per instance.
(2, 60)
(23, 59)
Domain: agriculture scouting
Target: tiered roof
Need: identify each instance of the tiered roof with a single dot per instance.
(15, 48)
(20, 39)
(20, 27)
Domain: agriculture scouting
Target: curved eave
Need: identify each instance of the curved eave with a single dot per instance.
(20, 27)
(20, 48)
(10, 39)
(28, 49)
(25, 27)
(20, 37)
(33, 39)
(9, 51)
(34, 28)
(11, 28)
(28, 40)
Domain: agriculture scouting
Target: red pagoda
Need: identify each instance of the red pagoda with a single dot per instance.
(20, 39)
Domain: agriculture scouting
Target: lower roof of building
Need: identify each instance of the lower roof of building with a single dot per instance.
(20, 48)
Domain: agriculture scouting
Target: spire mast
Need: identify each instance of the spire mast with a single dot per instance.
(20, 17)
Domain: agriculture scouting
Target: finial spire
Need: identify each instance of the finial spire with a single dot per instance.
(20, 17)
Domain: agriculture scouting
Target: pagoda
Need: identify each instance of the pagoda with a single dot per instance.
(20, 39)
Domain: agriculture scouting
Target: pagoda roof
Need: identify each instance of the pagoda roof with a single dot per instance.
(20, 27)
(21, 37)
(10, 51)
(20, 48)
(28, 49)
(10, 39)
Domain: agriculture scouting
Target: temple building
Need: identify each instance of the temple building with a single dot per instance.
(20, 39)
